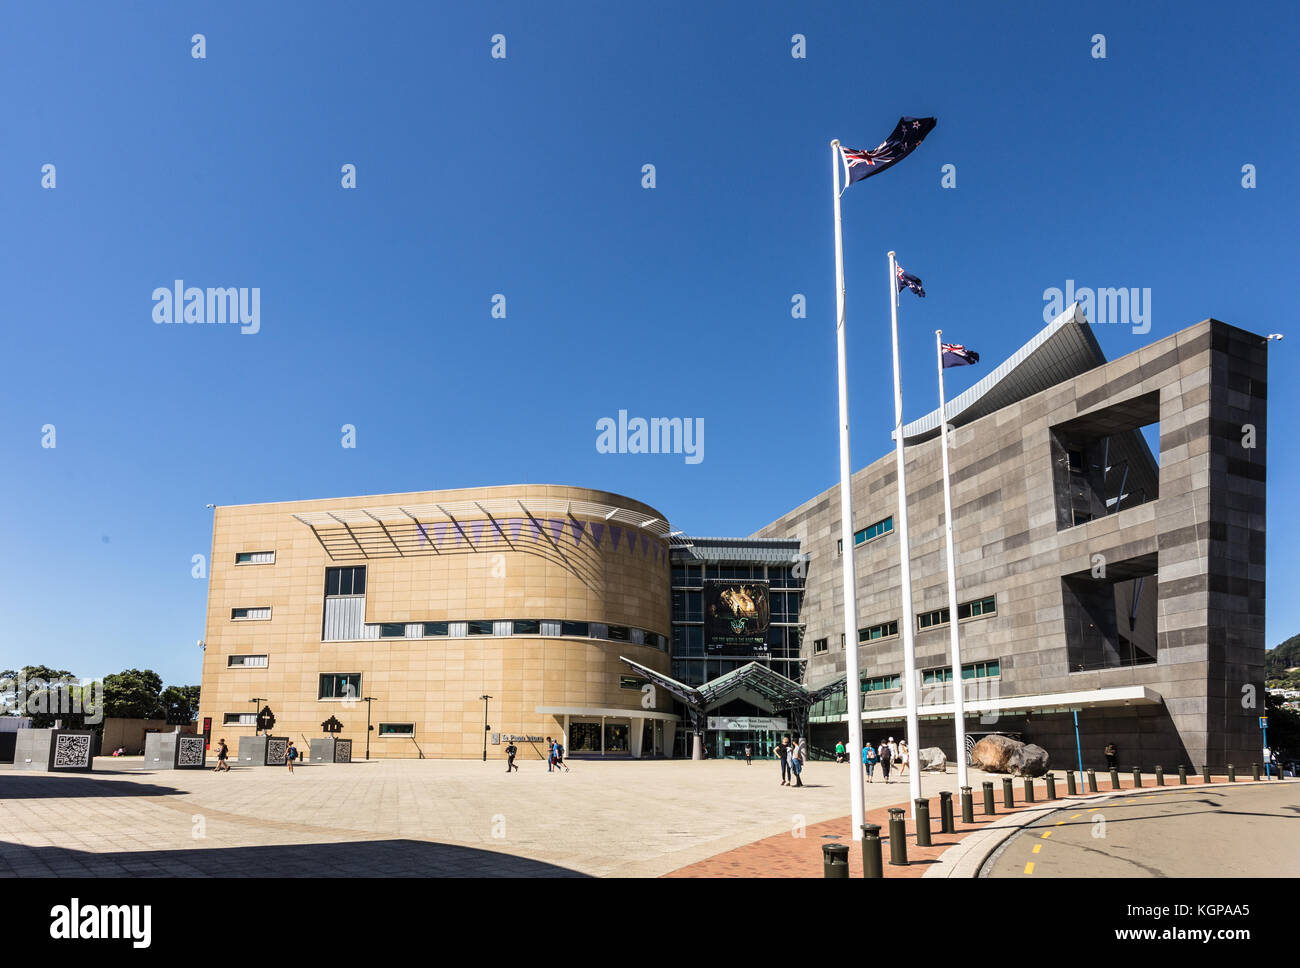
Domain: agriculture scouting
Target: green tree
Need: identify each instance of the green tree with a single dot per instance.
(46, 695)
(180, 704)
(133, 694)
(1283, 728)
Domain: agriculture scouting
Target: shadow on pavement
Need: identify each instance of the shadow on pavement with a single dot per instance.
(46, 786)
(369, 858)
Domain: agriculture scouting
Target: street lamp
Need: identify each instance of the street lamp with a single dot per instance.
(368, 700)
(486, 727)
(256, 728)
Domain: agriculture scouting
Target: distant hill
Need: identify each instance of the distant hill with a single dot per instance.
(1285, 656)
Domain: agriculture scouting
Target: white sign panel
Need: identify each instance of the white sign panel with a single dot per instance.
(747, 722)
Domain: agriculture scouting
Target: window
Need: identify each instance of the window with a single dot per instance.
(630, 682)
(839, 546)
(392, 630)
(479, 627)
(687, 575)
(880, 684)
(1081, 517)
(820, 646)
(974, 609)
(982, 670)
(842, 640)
(255, 558)
(875, 531)
(527, 626)
(620, 633)
(688, 640)
(336, 685)
(688, 606)
(882, 631)
(931, 677)
(345, 581)
(397, 729)
(246, 662)
(576, 629)
(239, 719)
(434, 628)
(928, 620)
(250, 614)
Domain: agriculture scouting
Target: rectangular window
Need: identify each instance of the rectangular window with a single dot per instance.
(255, 558)
(977, 608)
(880, 683)
(620, 633)
(392, 630)
(527, 626)
(882, 631)
(479, 627)
(345, 581)
(434, 628)
(931, 677)
(247, 661)
(839, 546)
(397, 729)
(982, 670)
(250, 614)
(820, 646)
(239, 719)
(346, 685)
(580, 630)
(630, 682)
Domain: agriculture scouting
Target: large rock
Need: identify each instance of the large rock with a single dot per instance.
(1028, 760)
(992, 753)
(932, 758)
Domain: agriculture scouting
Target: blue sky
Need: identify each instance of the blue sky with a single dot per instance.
(523, 177)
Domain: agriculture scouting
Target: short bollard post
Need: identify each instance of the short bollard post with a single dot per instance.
(1071, 787)
(1114, 779)
(1092, 781)
(1182, 775)
(1051, 787)
(1232, 773)
(1255, 770)
(1205, 772)
(946, 823)
(835, 860)
(923, 823)
(1137, 776)
(988, 798)
(897, 838)
(1160, 776)
(1008, 797)
(871, 861)
(1029, 789)
(967, 806)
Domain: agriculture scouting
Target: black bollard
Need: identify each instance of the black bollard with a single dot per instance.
(1232, 773)
(1092, 781)
(946, 823)
(1205, 772)
(967, 806)
(923, 823)
(1051, 787)
(871, 862)
(897, 838)
(1182, 775)
(1071, 787)
(1160, 776)
(1029, 789)
(1114, 779)
(1255, 770)
(1008, 797)
(988, 798)
(1137, 776)
(835, 860)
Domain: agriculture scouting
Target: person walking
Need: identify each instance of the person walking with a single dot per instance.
(783, 754)
(1111, 755)
(290, 755)
(886, 756)
(869, 760)
(902, 757)
(796, 762)
(839, 752)
(511, 751)
(749, 756)
(550, 754)
(223, 757)
(559, 758)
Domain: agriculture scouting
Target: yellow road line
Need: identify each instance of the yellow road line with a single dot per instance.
(1046, 834)
(1029, 868)
(1037, 848)
(1060, 822)
(1076, 816)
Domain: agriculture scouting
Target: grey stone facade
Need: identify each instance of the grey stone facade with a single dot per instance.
(1022, 476)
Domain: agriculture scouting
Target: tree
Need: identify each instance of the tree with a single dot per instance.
(133, 694)
(180, 704)
(46, 694)
(1283, 727)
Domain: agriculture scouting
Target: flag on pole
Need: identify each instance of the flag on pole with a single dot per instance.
(909, 281)
(860, 163)
(954, 354)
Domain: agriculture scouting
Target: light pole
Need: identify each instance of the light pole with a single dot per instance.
(368, 700)
(256, 728)
(486, 727)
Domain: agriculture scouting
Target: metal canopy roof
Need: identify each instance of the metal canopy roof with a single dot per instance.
(753, 677)
(778, 551)
(1062, 350)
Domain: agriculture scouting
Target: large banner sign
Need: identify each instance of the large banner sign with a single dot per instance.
(736, 616)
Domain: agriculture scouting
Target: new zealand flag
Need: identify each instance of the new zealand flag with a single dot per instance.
(954, 354)
(860, 163)
(908, 281)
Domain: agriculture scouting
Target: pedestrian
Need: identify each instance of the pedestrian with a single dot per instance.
(749, 756)
(886, 756)
(290, 755)
(902, 757)
(559, 757)
(511, 751)
(223, 754)
(839, 752)
(1111, 755)
(796, 762)
(869, 760)
(783, 754)
(550, 754)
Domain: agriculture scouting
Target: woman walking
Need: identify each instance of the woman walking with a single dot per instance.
(902, 757)
(869, 760)
(886, 756)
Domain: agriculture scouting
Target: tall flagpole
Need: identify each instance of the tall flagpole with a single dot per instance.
(907, 619)
(852, 686)
(958, 700)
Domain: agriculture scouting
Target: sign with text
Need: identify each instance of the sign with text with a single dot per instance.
(748, 722)
(736, 617)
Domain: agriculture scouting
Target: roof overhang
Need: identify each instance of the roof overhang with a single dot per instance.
(607, 711)
(1056, 702)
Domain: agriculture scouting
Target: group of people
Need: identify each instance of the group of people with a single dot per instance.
(792, 756)
(888, 754)
(554, 757)
(291, 756)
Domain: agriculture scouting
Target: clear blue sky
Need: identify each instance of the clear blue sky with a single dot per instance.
(523, 177)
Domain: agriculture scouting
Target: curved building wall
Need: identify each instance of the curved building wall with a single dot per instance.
(462, 561)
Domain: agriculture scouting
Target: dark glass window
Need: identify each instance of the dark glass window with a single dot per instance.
(340, 685)
(776, 602)
(435, 628)
(620, 632)
(527, 626)
(345, 581)
(480, 627)
(243, 557)
(679, 574)
(578, 629)
(820, 646)
(392, 630)
(397, 729)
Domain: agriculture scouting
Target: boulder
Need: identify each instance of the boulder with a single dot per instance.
(932, 758)
(1028, 760)
(992, 752)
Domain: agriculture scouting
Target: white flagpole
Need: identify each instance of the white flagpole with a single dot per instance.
(907, 619)
(852, 686)
(958, 700)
